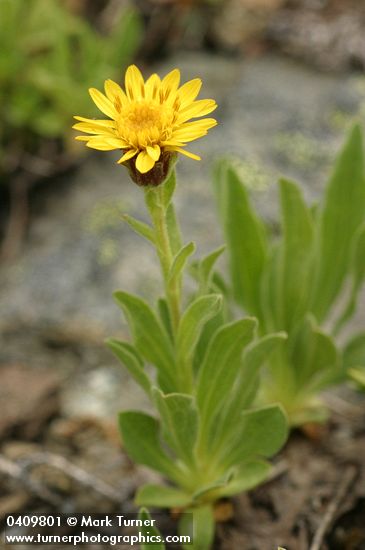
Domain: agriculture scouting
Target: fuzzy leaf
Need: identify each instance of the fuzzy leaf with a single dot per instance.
(247, 476)
(179, 262)
(245, 236)
(140, 435)
(358, 275)
(205, 267)
(262, 432)
(140, 228)
(313, 352)
(161, 496)
(150, 530)
(123, 351)
(150, 339)
(179, 420)
(165, 317)
(340, 217)
(221, 364)
(199, 525)
(354, 352)
(191, 325)
(173, 229)
(246, 386)
(296, 253)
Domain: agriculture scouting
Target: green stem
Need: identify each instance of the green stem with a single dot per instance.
(158, 212)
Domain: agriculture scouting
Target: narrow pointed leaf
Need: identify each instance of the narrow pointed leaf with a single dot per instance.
(179, 420)
(124, 354)
(245, 236)
(354, 352)
(262, 433)
(221, 364)
(149, 337)
(340, 217)
(161, 496)
(141, 439)
(199, 525)
(140, 228)
(149, 530)
(357, 274)
(191, 325)
(295, 253)
(248, 475)
(243, 393)
(179, 261)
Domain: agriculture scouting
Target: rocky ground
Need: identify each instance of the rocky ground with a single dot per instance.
(276, 117)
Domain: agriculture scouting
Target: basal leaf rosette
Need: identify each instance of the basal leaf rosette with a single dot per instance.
(150, 122)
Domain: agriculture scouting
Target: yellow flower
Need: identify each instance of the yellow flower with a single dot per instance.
(149, 121)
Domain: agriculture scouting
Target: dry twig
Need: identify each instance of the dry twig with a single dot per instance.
(16, 472)
(343, 488)
(74, 472)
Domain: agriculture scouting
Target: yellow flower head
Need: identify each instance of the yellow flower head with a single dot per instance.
(148, 121)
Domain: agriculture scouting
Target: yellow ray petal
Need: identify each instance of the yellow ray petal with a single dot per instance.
(193, 130)
(188, 91)
(144, 162)
(104, 144)
(114, 91)
(152, 86)
(197, 108)
(170, 84)
(184, 152)
(128, 155)
(103, 103)
(134, 83)
(154, 151)
(107, 123)
(93, 128)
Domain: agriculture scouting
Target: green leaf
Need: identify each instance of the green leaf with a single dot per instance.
(341, 215)
(245, 236)
(312, 352)
(255, 356)
(179, 262)
(191, 325)
(204, 268)
(161, 497)
(358, 375)
(140, 435)
(246, 477)
(358, 275)
(209, 493)
(150, 339)
(123, 351)
(262, 433)
(140, 228)
(173, 229)
(199, 526)
(296, 253)
(246, 386)
(221, 364)
(165, 317)
(148, 530)
(206, 336)
(168, 188)
(179, 419)
(354, 352)
(270, 293)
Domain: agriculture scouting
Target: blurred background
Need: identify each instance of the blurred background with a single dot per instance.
(288, 76)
